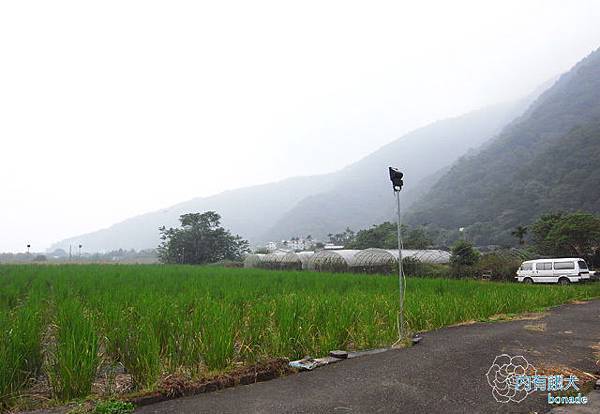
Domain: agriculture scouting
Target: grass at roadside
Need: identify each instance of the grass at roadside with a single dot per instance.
(70, 323)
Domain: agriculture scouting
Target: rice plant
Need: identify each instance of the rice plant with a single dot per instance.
(20, 348)
(76, 357)
(140, 353)
(217, 333)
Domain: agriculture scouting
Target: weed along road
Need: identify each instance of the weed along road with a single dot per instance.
(445, 373)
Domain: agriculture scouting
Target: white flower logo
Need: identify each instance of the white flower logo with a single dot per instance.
(502, 377)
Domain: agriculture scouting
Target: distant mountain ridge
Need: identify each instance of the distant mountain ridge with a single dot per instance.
(246, 211)
(547, 160)
(362, 196)
(357, 196)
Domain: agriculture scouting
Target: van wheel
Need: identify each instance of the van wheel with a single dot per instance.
(528, 281)
(564, 281)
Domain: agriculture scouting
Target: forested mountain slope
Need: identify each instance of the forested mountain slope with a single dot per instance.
(546, 160)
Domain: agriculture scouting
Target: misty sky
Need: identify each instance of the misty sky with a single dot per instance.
(115, 108)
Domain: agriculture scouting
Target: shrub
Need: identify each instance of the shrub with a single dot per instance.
(464, 254)
(499, 266)
(411, 266)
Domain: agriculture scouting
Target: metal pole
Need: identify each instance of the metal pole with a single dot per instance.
(400, 273)
(397, 183)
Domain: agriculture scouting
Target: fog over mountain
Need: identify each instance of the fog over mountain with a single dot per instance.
(361, 195)
(487, 170)
(545, 161)
(113, 112)
(357, 196)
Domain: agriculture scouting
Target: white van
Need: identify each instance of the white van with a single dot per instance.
(563, 271)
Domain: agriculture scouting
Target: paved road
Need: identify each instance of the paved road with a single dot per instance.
(445, 373)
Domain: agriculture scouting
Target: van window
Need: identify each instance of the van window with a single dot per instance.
(564, 265)
(527, 266)
(543, 266)
(582, 264)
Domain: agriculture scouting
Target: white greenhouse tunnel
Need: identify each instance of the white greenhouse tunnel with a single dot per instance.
(368, 260)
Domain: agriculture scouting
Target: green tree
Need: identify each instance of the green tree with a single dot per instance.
(417, 238)
(381, 236)
(464, 254)
(520, 233)
(344, 238)
(575, 234)
(199, 240)
(540, 230)
(385, 236)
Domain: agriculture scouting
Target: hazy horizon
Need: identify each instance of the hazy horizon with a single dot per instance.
(115, 109)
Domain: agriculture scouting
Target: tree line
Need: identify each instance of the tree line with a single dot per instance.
(201, 239)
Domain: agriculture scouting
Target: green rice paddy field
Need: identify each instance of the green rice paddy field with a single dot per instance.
(64, 325)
